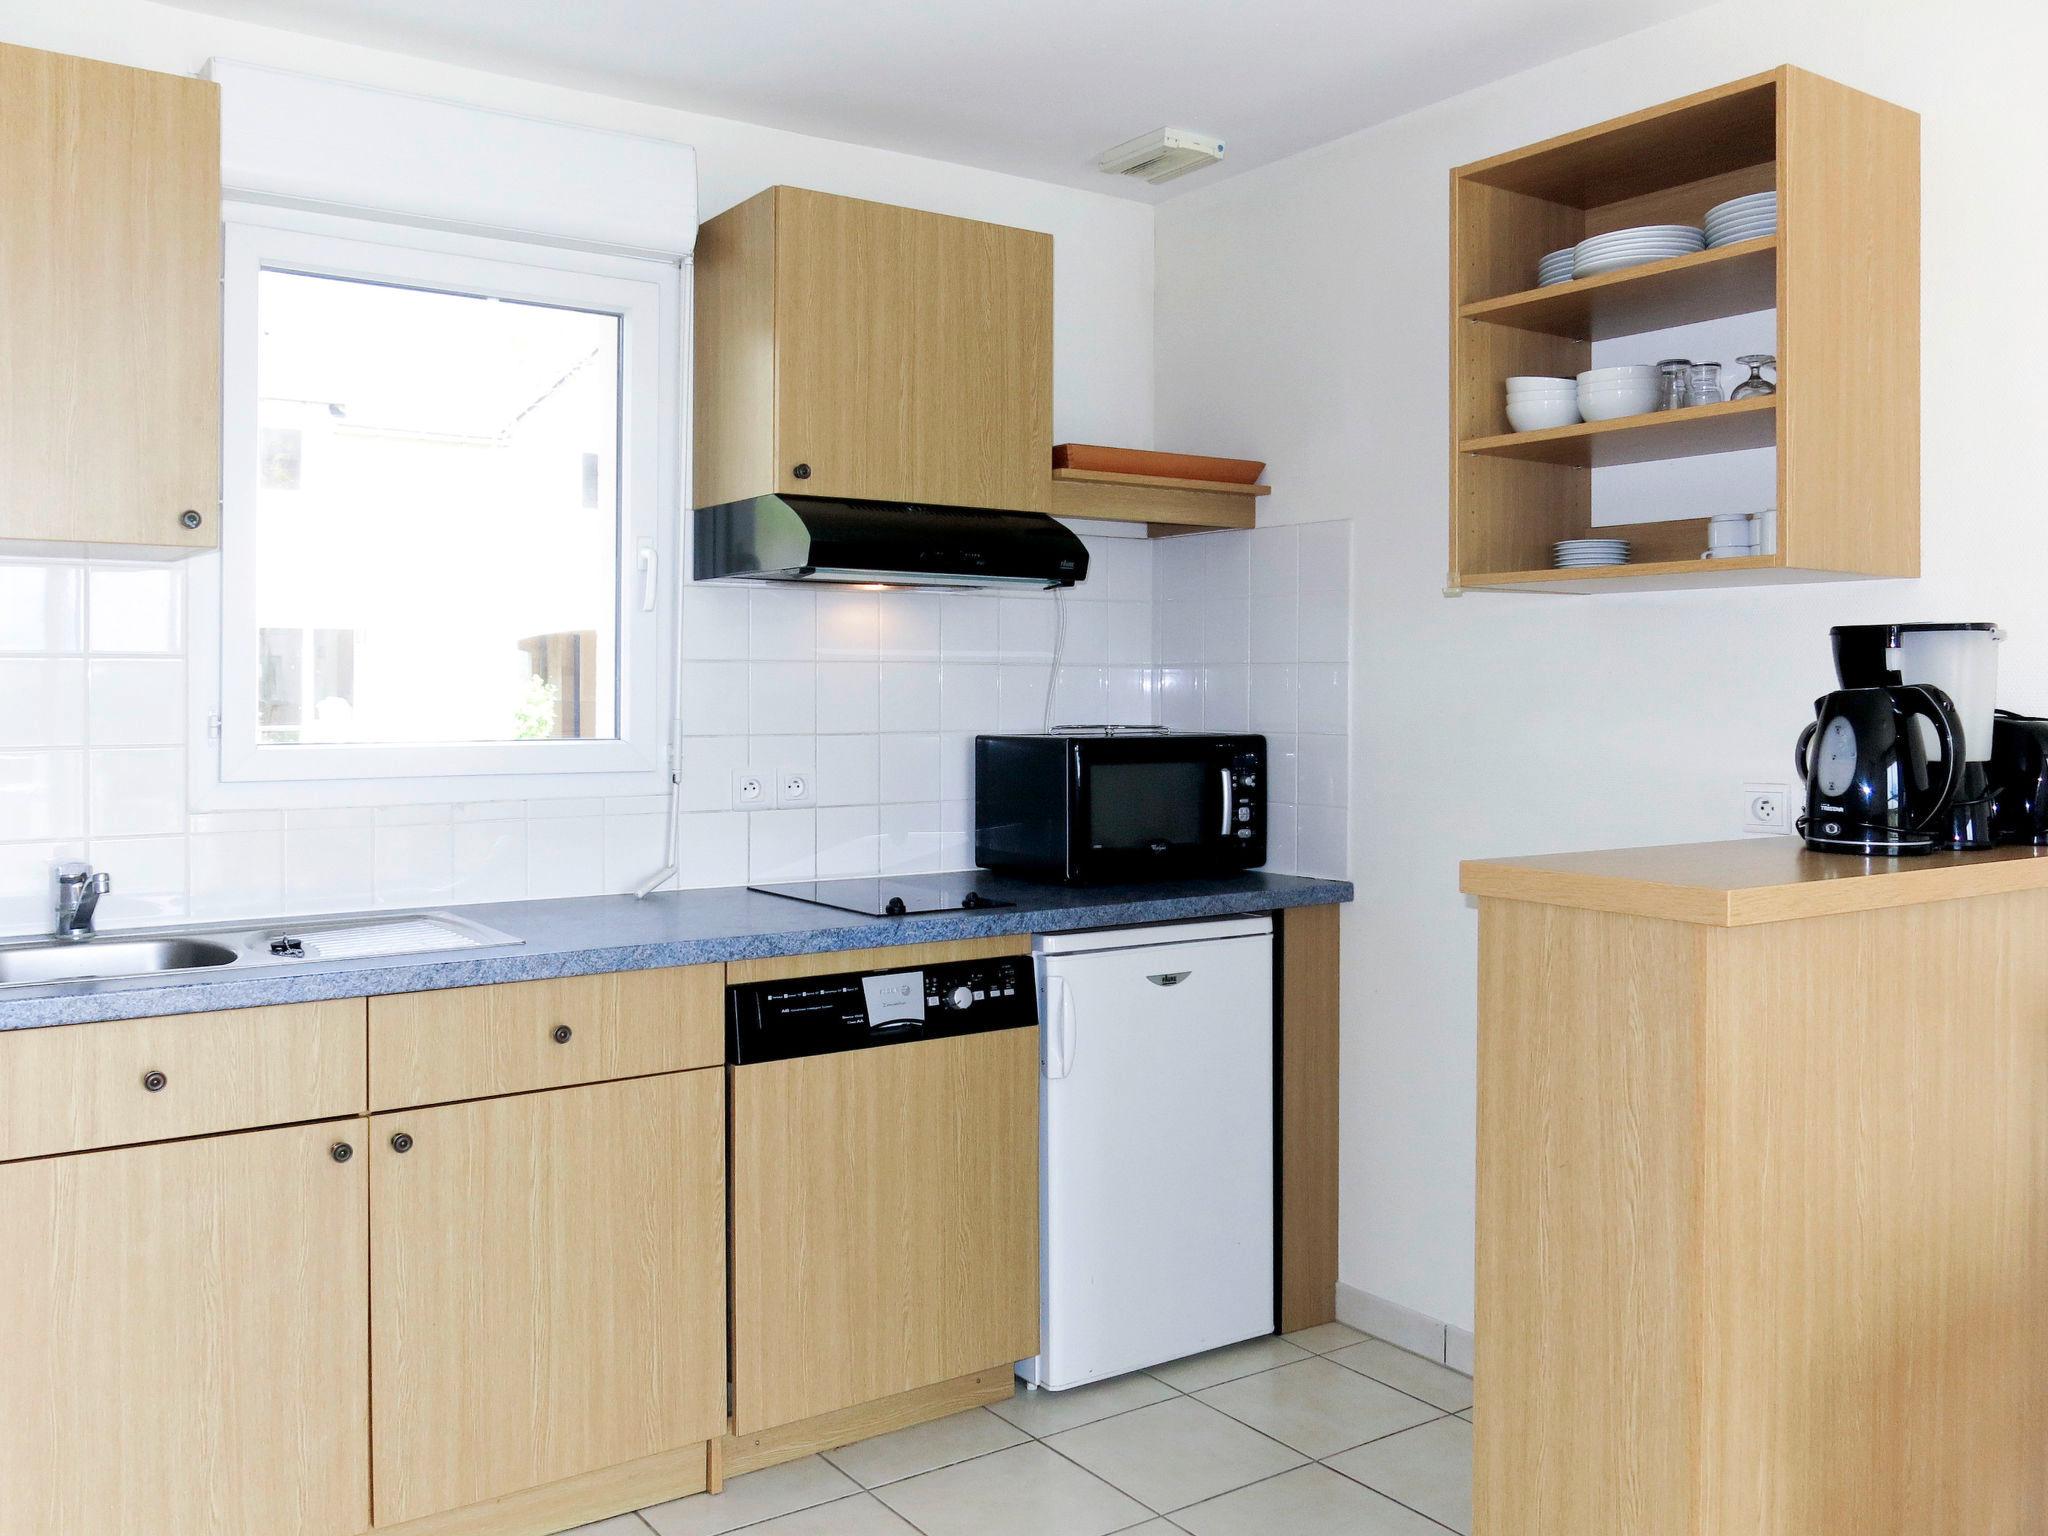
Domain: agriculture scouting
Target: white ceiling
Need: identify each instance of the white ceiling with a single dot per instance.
(1036, 89)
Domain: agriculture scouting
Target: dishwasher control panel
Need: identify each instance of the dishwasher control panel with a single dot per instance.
(851, 1011)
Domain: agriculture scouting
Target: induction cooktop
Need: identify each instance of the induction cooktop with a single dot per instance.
(893, 895)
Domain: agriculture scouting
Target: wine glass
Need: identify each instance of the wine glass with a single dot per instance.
(1756, 383)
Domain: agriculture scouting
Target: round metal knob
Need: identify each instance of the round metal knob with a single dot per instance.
(960, 997)
(561, 1035)
(802, 471)
(154, 1081)
(341, 1151)
(401, 1143)
(190, 518)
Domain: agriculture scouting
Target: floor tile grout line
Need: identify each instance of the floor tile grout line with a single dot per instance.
(1150, 1512)
(1368, 1487)
(1374, 1440)
(958, 1461)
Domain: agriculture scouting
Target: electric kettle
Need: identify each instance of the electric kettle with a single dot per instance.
(1871, 787)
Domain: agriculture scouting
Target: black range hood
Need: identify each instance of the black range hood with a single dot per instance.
(824, 539)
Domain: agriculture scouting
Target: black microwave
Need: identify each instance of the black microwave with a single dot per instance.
(1120, 807)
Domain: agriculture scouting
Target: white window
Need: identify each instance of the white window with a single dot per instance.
(445, 464)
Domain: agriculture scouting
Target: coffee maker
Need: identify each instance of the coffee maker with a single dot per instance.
(1961, 660)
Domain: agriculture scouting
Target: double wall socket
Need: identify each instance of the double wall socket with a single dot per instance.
(753, 790)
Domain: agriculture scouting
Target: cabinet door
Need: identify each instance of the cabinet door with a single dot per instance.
(182, 1338)
(109, 302)
(913, 355)
(548, 1287)
(885, 1222)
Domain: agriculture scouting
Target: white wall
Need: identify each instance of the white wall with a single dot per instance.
(1302, 319)
(93, 737)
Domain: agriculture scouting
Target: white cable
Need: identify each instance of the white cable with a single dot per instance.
(1059, 646)
(686, 290)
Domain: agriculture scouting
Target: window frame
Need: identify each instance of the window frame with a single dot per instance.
(233, 768)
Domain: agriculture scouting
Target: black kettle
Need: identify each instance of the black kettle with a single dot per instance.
(1871, 786)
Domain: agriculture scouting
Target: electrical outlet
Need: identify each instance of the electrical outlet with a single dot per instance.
(792, 788)
(749, 790)
(1766, 808)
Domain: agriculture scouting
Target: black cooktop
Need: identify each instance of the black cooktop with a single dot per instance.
(892, 895)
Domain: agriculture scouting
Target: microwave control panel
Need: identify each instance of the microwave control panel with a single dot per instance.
(1247, 798)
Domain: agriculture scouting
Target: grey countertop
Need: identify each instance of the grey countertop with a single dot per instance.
(592, 934)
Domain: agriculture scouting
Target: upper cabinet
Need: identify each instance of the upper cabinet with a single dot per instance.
(854, 349)
(109, 304)
(1833, 292)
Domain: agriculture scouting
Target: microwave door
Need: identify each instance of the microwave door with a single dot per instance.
(1150, 807)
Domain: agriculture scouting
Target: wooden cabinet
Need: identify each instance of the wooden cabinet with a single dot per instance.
(884, 1222)
(1842, 273)
(548, 1287)
(1762, 1193)
(470, 1042)
(849, 348)
(183, 1338)
(109, 303)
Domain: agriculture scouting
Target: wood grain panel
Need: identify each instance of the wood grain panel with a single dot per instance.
(1589, 1240)
(899, 957)
(573, 1502)
(470, 1042)
(1849, 328)
(787, 1442)
(183, 1343)
(1873, 1319)
(1309, 965)
(77, 1086)
(109, 302)
(547, 1287)
(735, 344)
(1166, 506)
(914, 355)
(884, 1222)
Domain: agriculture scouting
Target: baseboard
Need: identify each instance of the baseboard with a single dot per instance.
(1416, 1332)
(740, 1454)
(574, 1501)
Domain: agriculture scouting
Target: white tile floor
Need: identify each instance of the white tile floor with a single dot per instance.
(1315, 1434)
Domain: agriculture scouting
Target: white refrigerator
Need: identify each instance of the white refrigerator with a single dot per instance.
(1155, 1145)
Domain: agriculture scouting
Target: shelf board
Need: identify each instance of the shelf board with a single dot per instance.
(1165, 506)
(1698, 429)
(1728, 280)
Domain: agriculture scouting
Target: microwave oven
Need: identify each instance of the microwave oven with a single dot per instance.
(1106, 807)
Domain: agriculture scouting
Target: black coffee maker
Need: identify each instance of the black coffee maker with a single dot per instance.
(1872, 786)
(2019, 774)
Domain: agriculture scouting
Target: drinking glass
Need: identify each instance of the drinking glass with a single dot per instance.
(1703, 385)
(1756, 383)
(1671, 382)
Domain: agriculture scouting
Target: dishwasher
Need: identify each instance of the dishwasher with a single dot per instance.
(1157, 1145)
(884, 1185)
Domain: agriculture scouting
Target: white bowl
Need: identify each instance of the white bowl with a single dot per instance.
(1526, 381)
(1526, 415)
(1610, 404)
(1624, 375)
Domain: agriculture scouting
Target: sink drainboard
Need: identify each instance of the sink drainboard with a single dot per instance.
(364, 941)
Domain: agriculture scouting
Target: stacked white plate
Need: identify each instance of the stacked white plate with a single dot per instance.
(1574, 554)
(1555, 268)
(1743, 218)
(1633, 247)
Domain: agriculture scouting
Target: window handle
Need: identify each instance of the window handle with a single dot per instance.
(649, 563)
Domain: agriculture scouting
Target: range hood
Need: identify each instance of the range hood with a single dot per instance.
(825, 539)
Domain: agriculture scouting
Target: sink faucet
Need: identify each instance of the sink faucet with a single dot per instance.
(78, 892)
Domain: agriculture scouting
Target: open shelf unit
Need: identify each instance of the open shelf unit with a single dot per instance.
(1843, 274)
(1164, 506)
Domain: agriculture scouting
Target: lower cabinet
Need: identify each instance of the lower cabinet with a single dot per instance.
(547, 1286)
(183, 1344)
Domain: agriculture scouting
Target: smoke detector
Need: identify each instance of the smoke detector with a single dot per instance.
(1162, 154)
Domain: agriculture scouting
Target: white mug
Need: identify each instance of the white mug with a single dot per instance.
(1731, 531)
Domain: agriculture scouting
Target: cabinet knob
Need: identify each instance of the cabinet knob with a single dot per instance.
(154, 1082)
(190, 518)
(802, 471)
(561, 1034)
(341, 1151)
(401, 1143)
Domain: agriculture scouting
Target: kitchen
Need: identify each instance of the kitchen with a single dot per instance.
(827, 735)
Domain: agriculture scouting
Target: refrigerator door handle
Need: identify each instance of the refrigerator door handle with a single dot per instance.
(1059, 1028)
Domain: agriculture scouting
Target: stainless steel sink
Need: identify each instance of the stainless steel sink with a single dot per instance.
(95, 959)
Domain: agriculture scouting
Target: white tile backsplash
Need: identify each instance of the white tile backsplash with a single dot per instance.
(876, 696)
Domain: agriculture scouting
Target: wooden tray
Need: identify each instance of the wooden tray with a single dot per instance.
(1163, 466)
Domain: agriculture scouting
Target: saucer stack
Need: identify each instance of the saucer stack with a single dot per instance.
(1742, 218)
(1633, 247)
(1555, 268)
(1574, 554)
